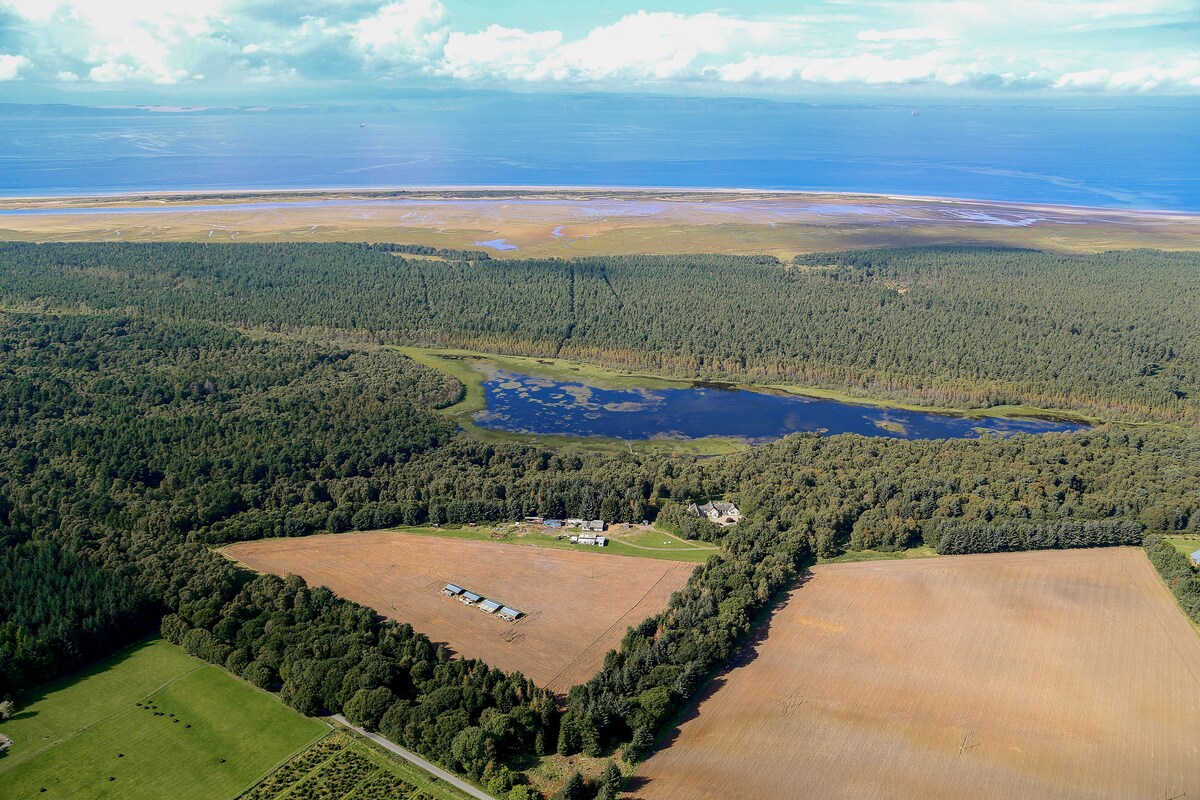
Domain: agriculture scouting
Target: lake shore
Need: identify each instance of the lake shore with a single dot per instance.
(473, 369)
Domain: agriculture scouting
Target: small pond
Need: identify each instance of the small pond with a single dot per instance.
(539, 405)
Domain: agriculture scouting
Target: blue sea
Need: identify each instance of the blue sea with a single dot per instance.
(1127, 157)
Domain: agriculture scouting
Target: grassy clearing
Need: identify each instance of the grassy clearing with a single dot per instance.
(1186, 543)
(83, 731)
(344, 766)
(851, 556)
(639, 544)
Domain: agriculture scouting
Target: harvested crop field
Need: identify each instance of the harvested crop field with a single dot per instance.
(577, 605)
(1065, 674)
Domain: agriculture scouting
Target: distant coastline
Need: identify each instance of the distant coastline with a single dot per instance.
(530, 191)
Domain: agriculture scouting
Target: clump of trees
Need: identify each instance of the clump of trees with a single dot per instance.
(1177, 570)
(663, 662)
(325, 654)
(58, 611)
(992, 536)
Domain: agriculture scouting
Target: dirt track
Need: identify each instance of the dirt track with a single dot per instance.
(1068, 674)
(579, 605)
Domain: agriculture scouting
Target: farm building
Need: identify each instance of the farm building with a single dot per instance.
(574, 522)
(598, 541)
(534, 520)
(553, 523)
(470, 598)
(490, 606)
(596, 525)
(719, 513)
(450, 590)
(1196, 558)
(510, 614)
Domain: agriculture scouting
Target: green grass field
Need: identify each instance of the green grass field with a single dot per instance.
(1186, 543)
(344, 766)
(87, 737)
(649, 544)
(851, 556)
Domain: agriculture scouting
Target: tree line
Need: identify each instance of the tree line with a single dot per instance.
(1112, 333)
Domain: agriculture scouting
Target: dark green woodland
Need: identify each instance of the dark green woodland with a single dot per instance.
(156, 400)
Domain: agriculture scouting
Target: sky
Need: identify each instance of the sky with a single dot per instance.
(250, 51)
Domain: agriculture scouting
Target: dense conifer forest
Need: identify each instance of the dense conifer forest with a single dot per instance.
(1114, 333)
(156, 400)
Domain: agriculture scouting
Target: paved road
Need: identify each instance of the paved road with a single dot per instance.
(407, 755)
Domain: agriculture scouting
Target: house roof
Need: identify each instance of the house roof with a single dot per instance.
(720, 508)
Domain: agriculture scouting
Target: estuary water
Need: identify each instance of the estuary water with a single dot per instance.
(534, 404)
(1144, 156)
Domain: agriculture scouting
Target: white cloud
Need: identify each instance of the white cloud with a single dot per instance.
(510, 52)
(866, 68)
(1181, 75)
(11, 66)
(901, 35)
(409, 31)
(1056, 45)
(653, 46)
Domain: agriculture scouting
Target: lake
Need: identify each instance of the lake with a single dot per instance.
(534, 404)
(1141, 156)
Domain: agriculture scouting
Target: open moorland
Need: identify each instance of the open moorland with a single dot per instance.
(583, 222)
(577, 606)
(152, 722)
(1065, 674)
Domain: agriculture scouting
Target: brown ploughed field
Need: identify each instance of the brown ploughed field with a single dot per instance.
(577, 605)
(1065, 674)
